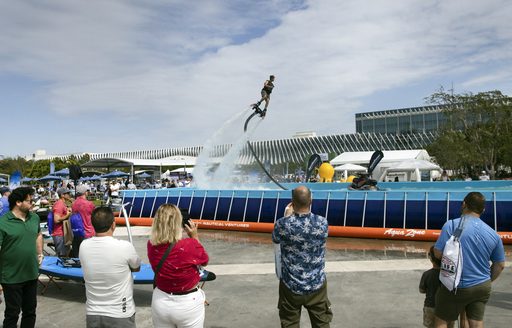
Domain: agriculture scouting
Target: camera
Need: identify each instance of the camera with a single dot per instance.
(186, 217)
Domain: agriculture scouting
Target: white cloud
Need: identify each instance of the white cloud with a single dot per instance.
(202, 61)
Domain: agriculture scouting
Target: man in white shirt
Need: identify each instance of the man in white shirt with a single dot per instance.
(114, 188)
(131, 186)
(484, 176)
(107, 265)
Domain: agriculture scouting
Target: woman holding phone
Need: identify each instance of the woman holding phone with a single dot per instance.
(177, 300)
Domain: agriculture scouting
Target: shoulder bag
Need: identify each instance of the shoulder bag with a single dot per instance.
(68, 232)
(159, 266)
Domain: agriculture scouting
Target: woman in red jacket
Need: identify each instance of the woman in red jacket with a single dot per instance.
(177, 300)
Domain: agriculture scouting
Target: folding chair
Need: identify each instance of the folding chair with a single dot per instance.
(51, 279)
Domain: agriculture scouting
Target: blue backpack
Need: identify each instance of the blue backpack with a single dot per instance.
(49, 222)
(77, 225)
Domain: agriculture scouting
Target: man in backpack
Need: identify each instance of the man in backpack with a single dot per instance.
(480, 245)
(84, 207)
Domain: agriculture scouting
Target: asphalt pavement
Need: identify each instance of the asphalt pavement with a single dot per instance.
(371, 283)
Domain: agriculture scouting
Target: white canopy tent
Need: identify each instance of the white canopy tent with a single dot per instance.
(391, 159)
(189, 170)
(168, 173)
(363, 157)
(345, 168)
(350, 167)
(415, 165)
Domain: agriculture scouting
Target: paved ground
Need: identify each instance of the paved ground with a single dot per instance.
(371, 284)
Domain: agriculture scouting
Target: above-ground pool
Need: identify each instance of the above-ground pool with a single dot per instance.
(400, 210)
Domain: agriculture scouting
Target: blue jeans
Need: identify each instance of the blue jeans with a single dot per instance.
(60, 248)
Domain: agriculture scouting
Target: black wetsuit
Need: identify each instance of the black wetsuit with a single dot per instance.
(268, 89)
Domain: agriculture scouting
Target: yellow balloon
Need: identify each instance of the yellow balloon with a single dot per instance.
(326, 172)
(350, 178)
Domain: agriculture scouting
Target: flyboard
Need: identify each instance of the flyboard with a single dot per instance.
(262, 113)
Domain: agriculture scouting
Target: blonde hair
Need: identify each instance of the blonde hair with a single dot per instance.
(166, 227)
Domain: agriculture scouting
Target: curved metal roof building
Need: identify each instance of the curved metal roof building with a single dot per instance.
(294, 150)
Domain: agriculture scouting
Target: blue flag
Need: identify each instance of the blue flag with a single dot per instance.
(15, 180)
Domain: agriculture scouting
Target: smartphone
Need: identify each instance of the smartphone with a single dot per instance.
(186, 217)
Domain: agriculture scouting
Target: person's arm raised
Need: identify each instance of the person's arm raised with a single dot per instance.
(191, 230)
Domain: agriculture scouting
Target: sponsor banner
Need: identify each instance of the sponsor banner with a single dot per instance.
(334, 231)
(235, 225)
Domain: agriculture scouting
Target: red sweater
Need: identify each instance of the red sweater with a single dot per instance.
(85, 208)
(59, 208)
(179, 271)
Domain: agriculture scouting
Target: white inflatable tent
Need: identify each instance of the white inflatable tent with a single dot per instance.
(392, 159)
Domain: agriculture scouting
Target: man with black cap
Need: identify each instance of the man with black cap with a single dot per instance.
(4, 200)
(61, 212)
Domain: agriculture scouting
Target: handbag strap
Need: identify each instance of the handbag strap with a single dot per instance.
(167, 251)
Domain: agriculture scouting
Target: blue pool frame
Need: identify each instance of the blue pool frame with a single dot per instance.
(403, 205)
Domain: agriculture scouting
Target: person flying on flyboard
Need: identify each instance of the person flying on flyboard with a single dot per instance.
(265, 96)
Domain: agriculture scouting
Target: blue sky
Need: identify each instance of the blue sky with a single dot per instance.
(97, 76)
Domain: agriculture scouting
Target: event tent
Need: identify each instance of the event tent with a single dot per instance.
(413, 165)
(183, 170)
(391, 159)
(49, 178)
(345, 168)
(143, 175)
(64, 172)
(350, 167)
(115, 174)
(150, 164)
(363, 157)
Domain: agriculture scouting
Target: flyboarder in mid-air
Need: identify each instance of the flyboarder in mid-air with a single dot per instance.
(265, 96)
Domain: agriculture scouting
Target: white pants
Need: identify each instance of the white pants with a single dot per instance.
(177, 311)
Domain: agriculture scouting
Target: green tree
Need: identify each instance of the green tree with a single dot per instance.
(84, 159)
(39, 168)
(477, 130)
(10, 165)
